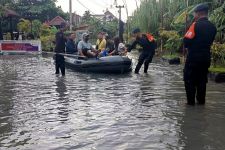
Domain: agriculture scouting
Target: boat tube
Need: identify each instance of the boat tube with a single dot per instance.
(109, 64)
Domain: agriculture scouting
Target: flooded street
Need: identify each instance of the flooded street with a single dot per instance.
(41, 111)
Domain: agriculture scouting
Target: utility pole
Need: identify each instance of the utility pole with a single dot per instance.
(71, 15)
(120, 22)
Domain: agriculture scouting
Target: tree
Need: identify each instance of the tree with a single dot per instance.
(8, 3)
(218, 18)
(86, 17)
(36, 27)
(47, 36)
(24, 26)
(155, 14)
(96, 25)
(39, 9)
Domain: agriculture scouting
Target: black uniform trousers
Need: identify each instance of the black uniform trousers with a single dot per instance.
(195, 80)
(145, 58)
(59, 64)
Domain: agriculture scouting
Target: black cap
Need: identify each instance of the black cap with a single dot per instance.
(136, 30)
(201, 7)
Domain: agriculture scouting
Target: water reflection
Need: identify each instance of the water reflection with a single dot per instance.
(202, 128)
(63, 100)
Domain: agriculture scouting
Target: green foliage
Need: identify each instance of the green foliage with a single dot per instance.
(86, 18)
(41, 10)
(47, 37)
(183, 19)
(170, 56)
(45, 30)
(97, 26)
(153, 14)
(7, 4)
(217, 69)
(7, 36)
(147, 17)
(218, 18)
(172, 39)
(47, 42)
(1, 11)
(35, 9)
(218, 54)
(36, 26)
(24, 26)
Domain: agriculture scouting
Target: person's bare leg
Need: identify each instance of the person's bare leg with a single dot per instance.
(91, 54)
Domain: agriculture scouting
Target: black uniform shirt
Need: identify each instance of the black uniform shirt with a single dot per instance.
(199, 44)
(148, 47)
(60, 42)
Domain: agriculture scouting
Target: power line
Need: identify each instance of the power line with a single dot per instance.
(89, 10)
(85, 7)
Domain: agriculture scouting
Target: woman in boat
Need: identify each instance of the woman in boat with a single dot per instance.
(101, 42)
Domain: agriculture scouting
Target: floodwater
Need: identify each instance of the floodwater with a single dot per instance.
(42, 111)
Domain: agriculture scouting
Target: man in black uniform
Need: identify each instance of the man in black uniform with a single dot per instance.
(60, 48)
(148, 50)
(198, 41)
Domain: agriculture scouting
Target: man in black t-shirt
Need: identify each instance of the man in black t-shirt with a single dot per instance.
(60, 40)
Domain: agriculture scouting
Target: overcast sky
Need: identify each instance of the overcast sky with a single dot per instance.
(98, 6)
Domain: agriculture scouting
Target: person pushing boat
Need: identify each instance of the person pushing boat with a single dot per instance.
(146, 41)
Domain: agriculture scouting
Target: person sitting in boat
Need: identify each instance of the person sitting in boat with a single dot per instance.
(119, 47)
(101, 42)
(109, 43)
(85, 48)
(122, 49)
(70, 44)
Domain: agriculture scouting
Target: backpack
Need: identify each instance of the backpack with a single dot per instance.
(151, 39)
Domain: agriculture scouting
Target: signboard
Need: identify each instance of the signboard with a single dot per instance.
(20, 46)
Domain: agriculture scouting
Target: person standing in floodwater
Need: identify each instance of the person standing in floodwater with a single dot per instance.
(148, 49)
(60, 48)
(197, 42)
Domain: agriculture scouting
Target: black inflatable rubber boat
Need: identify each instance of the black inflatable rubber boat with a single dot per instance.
(109, 64)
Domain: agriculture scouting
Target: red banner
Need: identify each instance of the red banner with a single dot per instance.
(19, 46)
